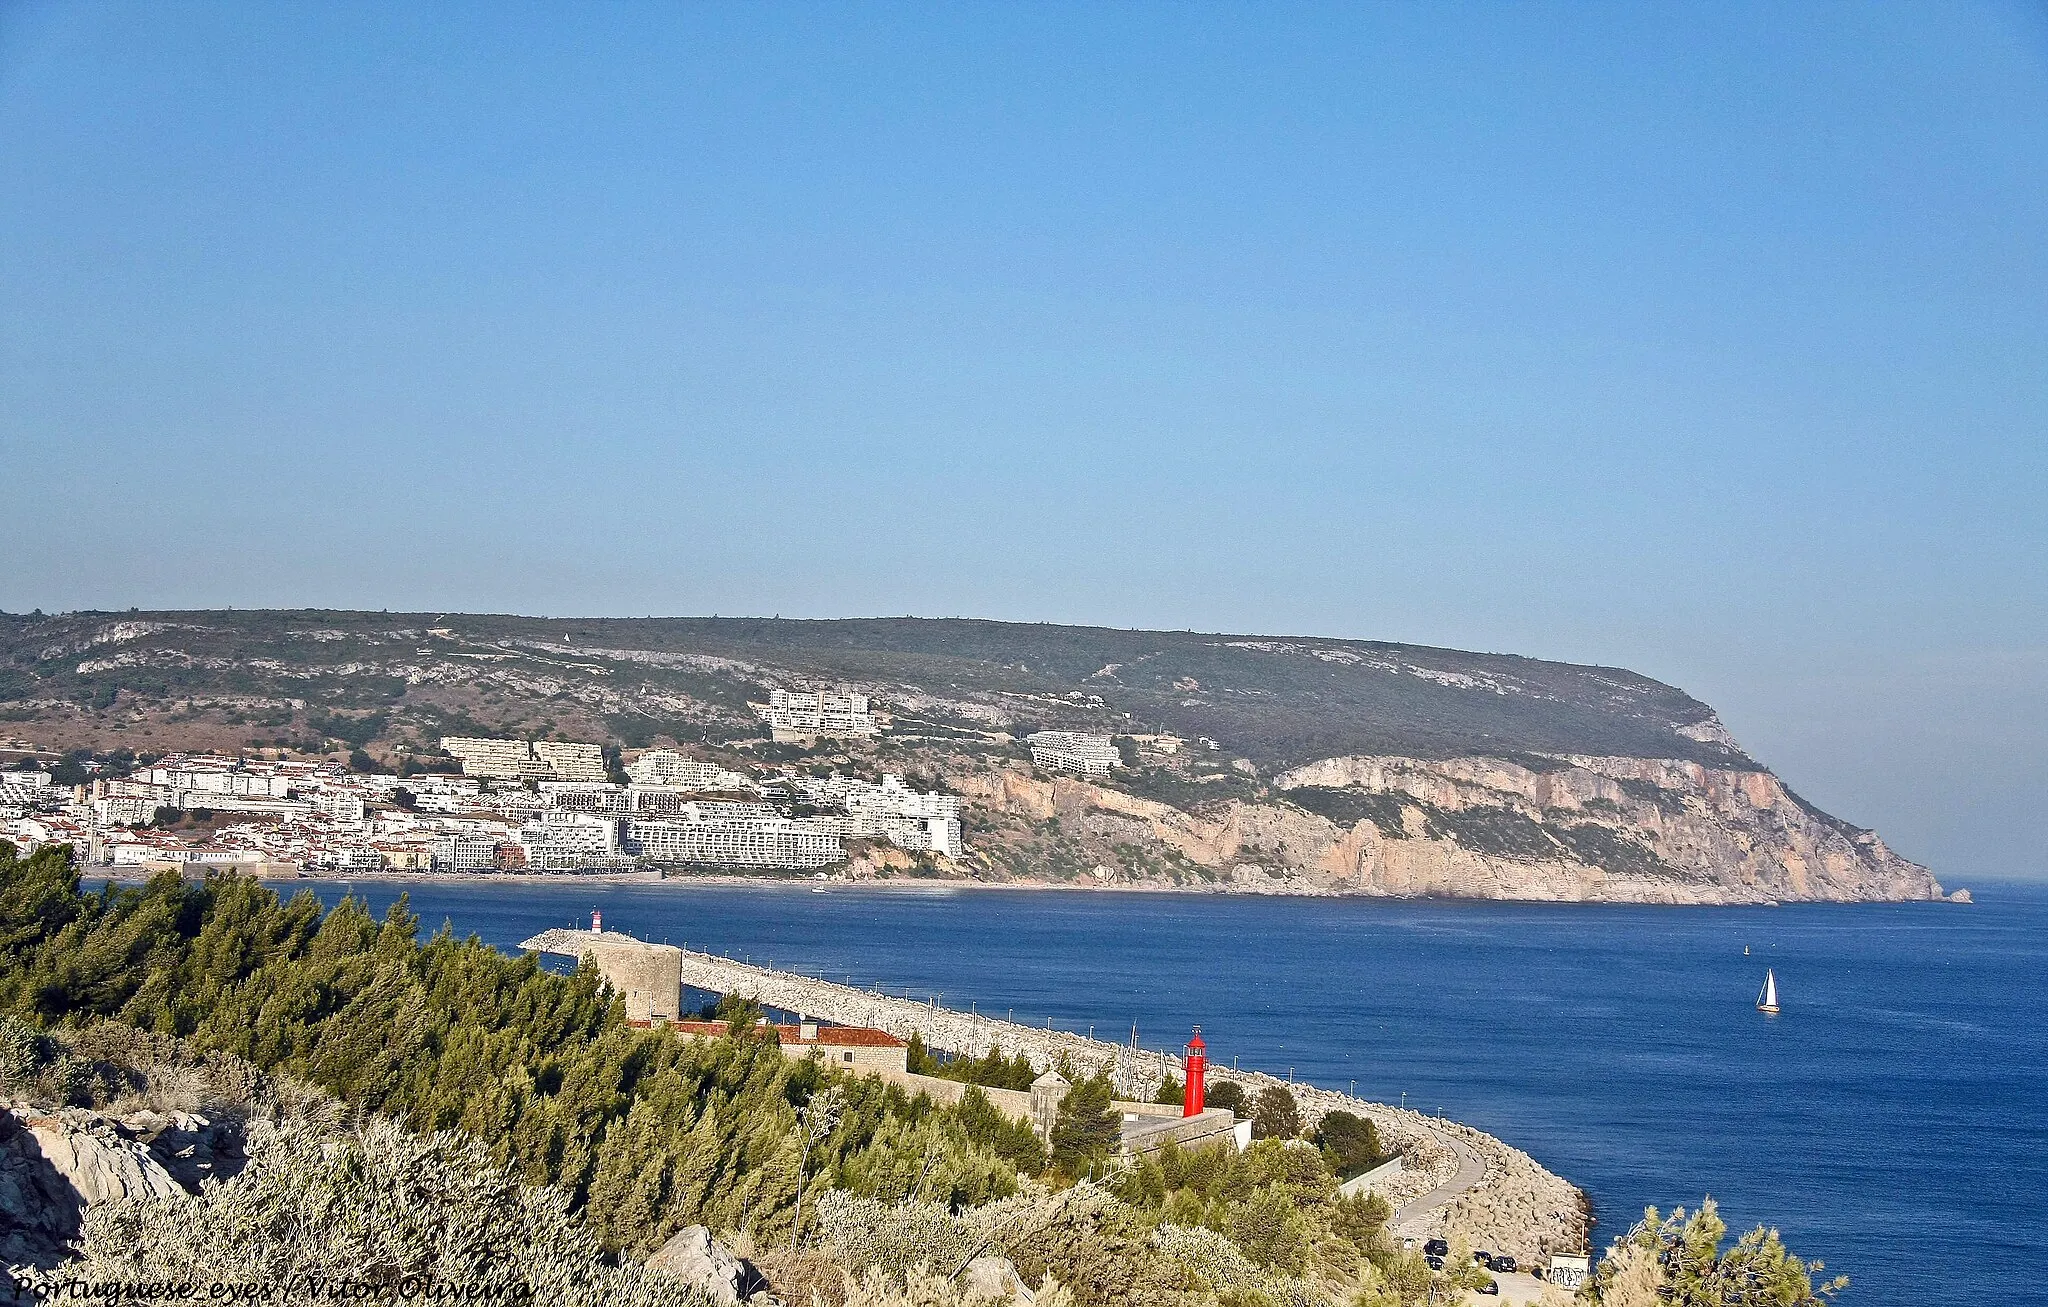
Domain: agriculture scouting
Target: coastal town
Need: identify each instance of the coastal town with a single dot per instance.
(513, 805)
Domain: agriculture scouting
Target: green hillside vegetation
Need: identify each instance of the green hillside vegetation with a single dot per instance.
(466, 1071)
(641, 1132)
(1276, 702)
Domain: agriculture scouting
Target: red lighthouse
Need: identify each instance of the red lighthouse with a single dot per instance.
(1197, 1054)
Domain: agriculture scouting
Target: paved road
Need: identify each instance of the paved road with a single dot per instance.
(1471, 1170)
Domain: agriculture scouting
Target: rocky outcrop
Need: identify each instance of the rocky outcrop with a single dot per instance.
(54, 1164)
(1569, 828)
(1670, 832)
(700, 1261)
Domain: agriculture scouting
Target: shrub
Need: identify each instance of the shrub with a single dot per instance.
(1227, 1093)
(1679, 1258)
(1350, 1143)
(1275, 1114)
(379, 1208)
(1087, 1128)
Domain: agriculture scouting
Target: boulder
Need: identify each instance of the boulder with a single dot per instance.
(98, 1163)
(993, 1279)
(694, 1257)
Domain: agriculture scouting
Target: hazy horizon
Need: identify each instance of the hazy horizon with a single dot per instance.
(1706, 342)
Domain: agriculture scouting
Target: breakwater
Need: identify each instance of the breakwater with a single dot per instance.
(1454, 1178)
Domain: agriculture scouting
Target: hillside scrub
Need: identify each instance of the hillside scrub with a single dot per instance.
(496, 1123)
(1679, 1261)
(539, 1075)
(644, 1132)
(371, 1214)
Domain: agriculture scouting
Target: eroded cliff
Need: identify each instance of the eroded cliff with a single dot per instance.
(1574, 828)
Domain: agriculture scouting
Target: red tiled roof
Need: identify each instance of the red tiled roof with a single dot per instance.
(847, 1036)
(835, 1036)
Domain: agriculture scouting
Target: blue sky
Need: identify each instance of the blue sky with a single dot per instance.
(1707, 340)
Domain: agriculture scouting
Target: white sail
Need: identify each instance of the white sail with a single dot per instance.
(1767, 1001)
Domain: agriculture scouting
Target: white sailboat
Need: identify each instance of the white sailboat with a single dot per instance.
(1767, 999)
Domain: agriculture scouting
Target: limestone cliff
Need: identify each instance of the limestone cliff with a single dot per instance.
(1574, 828)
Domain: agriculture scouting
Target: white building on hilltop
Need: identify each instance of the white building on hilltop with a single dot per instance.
(1093, 755)
(794, 715)
(518, 760)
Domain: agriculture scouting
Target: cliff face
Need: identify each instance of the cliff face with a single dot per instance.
(1635, 830)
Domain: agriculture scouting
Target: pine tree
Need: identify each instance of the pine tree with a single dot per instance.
(1087, 1129)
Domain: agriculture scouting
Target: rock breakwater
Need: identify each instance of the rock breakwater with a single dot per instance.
(1507, 1201)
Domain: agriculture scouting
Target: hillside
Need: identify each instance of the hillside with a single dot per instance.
(1295, 764)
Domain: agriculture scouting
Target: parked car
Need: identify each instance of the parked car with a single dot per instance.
(1502, 1262)
(1435, 1262)
(1483, 1257)
(1492, 1287)
(1437, 1248)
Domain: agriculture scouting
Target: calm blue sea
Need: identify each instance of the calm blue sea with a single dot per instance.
(1893, 1121)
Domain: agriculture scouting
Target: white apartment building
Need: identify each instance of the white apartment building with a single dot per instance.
(464, 853)
(756, 842)
(892, 811)
(504, 760)
(342, 805)
(215, 777)
(20, 800)
(443, 794)
(920, 834)
(586, 796)
(728, 812)
(669, 768)
(348, 857)
(124, 811)
(518, 760)
(794, 715)
(571, 762)
(895, 799)
(1094, 755)
(564, 840)
(140, 852)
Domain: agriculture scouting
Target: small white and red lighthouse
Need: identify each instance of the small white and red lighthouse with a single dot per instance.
(1197, 1055)
(596, 922)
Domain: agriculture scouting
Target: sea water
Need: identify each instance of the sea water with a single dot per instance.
(1891, 1121)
